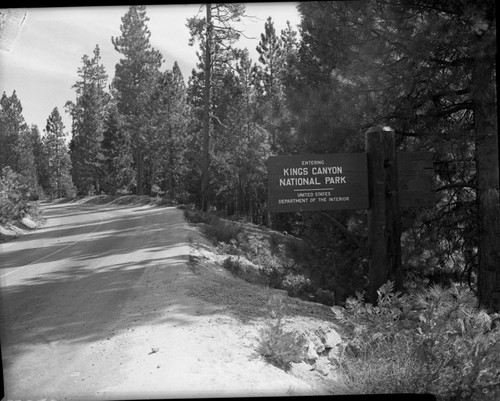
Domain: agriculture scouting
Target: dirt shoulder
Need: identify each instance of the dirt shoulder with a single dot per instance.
(246, 307)
(206, 344)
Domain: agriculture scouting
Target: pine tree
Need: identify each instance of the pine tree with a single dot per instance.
(271, 55)
(57, 157)
(135, 77)
(251, 146)
(216, 35)
(239, 145)
(88, 115)
(26, 164)
(290, 44)
(17, 149)
(118, 173)
(170, 102)
(246, 75)
(274, 54)
(11, 125)
(40, 167)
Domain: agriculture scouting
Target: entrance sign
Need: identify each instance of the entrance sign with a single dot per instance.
(318, 182)
(380, 180)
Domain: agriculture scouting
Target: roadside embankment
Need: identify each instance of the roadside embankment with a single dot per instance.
(26, 225)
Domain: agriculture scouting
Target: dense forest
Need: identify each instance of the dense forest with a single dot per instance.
(426, 68)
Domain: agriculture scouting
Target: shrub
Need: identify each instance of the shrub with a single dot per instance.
(233, 265)
(258, 250)
(217, 229)
(277, 346)
(436, 341)
(325, 297)
(297, 285)
(196, 216)
(222, 231)
(273, 259)
(14, 196)
(231, 248)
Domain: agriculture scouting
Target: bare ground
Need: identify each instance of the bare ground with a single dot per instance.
(214, 320)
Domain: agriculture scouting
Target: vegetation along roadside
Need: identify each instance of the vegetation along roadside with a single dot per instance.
(432, 339)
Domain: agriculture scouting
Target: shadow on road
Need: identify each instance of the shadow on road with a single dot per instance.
(103, 233)
(74, 313)
(79, 301)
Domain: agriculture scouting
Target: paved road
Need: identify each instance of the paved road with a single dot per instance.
(64, 287)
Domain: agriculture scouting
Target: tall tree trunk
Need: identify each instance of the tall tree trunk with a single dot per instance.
(206, 114)
(250, 206)
(487, 170)
(171, 163)
(153, 176)
(139, 173)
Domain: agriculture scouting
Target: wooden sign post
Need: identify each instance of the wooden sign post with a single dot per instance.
(384, 226)
(380, 180)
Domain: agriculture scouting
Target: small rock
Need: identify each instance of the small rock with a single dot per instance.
(333, 357)
(325, 352)
(323, 366)
(26, 221)
(337, 310)
(311, 353)
(301, 367)
(332, 339)
(320, 348)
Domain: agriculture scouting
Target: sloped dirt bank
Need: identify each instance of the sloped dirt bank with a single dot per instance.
(246, 309)
(26, 226)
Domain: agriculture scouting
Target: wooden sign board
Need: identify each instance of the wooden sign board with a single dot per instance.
(415, 178)
(318, 182)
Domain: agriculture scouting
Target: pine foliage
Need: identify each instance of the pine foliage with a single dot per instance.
(135, 77)
(432, 341)
(88, 115)
(15, 197)
(57, 158)
(277, 345)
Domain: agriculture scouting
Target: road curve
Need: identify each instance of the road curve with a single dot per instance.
(64, 288)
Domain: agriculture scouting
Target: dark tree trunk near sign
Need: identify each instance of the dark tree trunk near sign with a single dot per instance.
(205, 179)
(383, 216)
(487, 166)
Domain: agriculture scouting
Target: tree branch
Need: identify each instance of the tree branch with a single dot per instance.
(350, 236)
(454, 63)
(455, 185)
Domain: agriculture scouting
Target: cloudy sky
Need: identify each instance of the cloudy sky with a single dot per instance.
(43, 60)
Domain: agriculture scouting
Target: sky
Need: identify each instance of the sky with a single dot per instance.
(41, 63)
